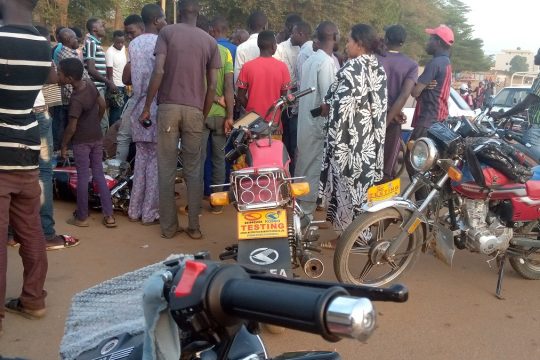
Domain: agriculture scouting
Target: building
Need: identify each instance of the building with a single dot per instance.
(502, 60)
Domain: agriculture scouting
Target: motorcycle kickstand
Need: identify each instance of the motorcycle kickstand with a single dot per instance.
(501, 260)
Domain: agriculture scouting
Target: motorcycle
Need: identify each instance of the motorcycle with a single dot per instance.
(215, 310)
(118, 176)
(510, 129)
(473, 204)
(273, 231)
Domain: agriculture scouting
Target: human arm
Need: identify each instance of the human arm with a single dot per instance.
(530, 99)
(426, 81)
(68, 134)
(126, 74)
(102, 106)
(394, 114)
(211, 80)
(241, 97)
(95, 75)
(229, 102)
(53, 75)
(153, 86)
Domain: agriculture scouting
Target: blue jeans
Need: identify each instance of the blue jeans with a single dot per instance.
(46, 166)
(532, 136)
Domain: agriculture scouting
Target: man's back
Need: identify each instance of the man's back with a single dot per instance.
(189, 53)
(318, 71)
(245, 52)
(227, 68)
(26, 61)
(398, 68)
(432, 105)
(264, 78)
(142, 62)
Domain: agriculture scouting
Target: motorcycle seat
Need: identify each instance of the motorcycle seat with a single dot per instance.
(266, 154)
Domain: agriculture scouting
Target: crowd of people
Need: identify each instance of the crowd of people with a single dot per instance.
(187, 83)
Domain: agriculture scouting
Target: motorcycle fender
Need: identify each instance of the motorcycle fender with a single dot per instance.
(403, 206)
(270, 255)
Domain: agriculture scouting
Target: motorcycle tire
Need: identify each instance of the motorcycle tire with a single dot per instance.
(345, 255)
(526, 267)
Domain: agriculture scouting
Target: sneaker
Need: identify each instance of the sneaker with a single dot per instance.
(195, 234)
(216, 210)
(14, 306)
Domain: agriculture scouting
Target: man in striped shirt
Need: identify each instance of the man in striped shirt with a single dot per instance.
(94, 61)
(25, 60)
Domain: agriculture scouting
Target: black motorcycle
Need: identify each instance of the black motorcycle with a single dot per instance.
(217, 308)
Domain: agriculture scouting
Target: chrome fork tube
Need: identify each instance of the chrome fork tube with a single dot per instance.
(433, 192)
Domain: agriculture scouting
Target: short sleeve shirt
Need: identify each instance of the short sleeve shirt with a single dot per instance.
(189, 53)
(227, 68)
(534, 110)
(264, 78)
(398, 68)
(93, 51)
(432, 104)
(83, 106)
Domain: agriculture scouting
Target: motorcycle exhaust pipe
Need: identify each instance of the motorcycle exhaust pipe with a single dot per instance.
(313, 267)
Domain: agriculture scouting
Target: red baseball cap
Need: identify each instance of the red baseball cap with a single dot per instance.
(444, 32)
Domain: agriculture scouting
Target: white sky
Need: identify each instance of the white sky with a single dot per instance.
(505, 24)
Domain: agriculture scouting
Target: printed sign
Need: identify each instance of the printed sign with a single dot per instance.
(262, 224)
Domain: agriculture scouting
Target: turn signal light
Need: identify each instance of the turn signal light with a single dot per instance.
(219, 198)
(299, 189)
(455, 174)
(410, 145)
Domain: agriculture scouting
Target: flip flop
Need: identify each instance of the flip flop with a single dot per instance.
(14, 306)
(109, 224)
(68, 241)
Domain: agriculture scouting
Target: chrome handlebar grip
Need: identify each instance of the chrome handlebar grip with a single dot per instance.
(351, 317)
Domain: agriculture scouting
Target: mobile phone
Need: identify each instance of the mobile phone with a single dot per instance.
(316, 112)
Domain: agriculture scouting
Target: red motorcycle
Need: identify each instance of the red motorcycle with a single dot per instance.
(273, 231)
(480, 198)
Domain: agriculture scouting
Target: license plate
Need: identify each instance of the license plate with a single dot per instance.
(384, 191)
(262, 224)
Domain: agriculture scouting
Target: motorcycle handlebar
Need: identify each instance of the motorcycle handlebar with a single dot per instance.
(330, 312)
(292, 97)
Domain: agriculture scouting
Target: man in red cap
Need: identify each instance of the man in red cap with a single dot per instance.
(433, 87)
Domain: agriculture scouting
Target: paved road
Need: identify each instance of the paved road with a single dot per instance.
(451, 314)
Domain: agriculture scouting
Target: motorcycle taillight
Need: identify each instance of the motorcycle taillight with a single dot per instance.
(260, 188)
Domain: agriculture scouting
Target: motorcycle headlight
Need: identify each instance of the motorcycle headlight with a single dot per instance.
(424, 154)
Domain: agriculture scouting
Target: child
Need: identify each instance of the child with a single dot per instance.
(86, 108)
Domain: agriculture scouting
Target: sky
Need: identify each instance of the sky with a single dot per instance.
(505, 24)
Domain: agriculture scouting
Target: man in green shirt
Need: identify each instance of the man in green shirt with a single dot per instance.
(219, 122)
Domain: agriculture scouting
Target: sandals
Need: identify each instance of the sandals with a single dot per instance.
(150, 223)
(14, 306)
(109, 221)
(62, 242)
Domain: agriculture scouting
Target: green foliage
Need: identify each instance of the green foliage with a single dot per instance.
(518, 64)
(414, 15)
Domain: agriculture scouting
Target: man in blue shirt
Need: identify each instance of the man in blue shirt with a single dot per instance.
(219, 28)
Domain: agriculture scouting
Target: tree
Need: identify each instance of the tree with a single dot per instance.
(518, 64)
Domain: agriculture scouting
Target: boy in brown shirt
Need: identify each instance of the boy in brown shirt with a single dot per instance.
(86, 108)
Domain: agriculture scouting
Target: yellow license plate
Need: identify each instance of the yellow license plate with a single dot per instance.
(384, 191)
(262, 224)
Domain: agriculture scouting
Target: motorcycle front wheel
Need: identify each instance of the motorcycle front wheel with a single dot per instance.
(359, 257)
(528, 265)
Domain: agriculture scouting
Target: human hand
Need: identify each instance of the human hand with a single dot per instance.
(228, 126)
(325, 110)
(220, 100)
(400, 118)
(432, 85)
(112, 87)
(63, 152)
(145, 115)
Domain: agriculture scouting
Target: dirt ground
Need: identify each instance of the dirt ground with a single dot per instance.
(451, 314)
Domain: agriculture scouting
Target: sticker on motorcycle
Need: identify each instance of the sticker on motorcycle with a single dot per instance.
(263, 224)
(263, 256)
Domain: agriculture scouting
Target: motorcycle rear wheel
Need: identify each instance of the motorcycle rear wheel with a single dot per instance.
(358, 249)
(528, 266)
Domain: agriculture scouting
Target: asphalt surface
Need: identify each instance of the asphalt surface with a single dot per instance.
(451, 314)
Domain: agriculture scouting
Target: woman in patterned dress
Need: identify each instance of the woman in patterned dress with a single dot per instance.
(356, 105)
